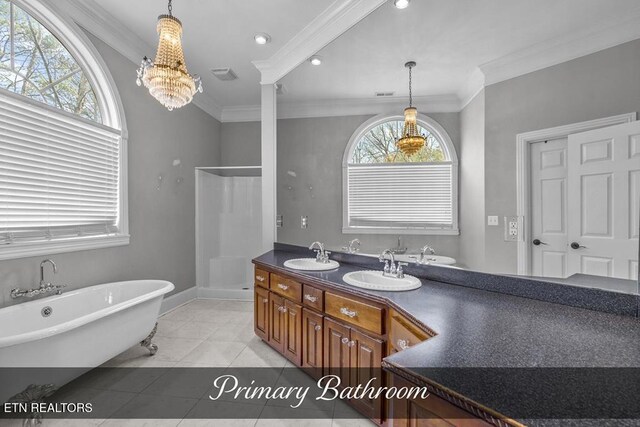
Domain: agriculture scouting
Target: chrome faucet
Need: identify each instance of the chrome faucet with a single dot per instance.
(351, 249)
(42, 264)
(423, 251)
(322, 255)
(392, 269)
(45, 287)
(388, 268)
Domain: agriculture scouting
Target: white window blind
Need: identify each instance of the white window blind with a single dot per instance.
(58, 174)
(409, 195)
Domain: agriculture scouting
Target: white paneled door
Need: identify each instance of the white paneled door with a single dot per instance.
(586, 203)
(549, 208)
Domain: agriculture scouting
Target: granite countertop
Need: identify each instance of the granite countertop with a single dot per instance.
(482, 329)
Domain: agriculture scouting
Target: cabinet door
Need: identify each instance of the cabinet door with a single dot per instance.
(293, 332)
(276, 322)
(430, 412)
(365, 361)
(336, 350)
(261, 313)
(312, 342)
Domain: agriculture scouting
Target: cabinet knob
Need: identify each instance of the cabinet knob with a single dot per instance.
(403, 344)
(283, 287)
(351, 343)
(310, 298)
(260, 278)
(345, 340)
(266, 300)
(348, 313)
(317, 327)
(282, 309)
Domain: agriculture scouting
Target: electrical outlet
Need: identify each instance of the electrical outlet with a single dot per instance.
(304, 222)
(279, 221)
(512, 228)
(492, 220)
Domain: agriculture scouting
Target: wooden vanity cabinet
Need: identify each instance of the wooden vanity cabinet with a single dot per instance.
(430, 412)
(404, 333)
(293, 332)
(261, 313)
(276, 322)
(312, 342)
(331, 332)
(336, 350)
(354, 357)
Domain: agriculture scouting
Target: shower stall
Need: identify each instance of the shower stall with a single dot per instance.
(228, 230)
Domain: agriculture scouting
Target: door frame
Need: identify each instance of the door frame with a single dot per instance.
(523, 174)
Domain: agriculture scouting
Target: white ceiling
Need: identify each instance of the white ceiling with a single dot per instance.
(220, 34)
(459, 46)
(448, 39)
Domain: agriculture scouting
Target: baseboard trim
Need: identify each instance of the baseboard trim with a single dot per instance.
(231, 294)
(176, 300)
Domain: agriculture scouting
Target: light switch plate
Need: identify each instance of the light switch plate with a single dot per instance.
(492, 220)
(512, 228)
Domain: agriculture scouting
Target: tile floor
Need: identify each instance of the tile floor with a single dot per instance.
(202, 333)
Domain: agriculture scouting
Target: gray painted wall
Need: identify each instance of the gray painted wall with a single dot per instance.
(161, 223)
(472, 191)
(313, 149)
(602, 84)
(240, 144)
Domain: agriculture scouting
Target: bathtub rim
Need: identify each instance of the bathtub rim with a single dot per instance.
(22, 338)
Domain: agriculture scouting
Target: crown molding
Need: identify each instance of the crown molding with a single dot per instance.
(339, 17)
(559, 50)
(345, 107)
(94, 18)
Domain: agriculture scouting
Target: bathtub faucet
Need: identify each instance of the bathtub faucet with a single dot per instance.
(45, 287)
(42, 264)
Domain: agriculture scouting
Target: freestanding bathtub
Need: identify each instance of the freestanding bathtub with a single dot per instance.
(77, 330)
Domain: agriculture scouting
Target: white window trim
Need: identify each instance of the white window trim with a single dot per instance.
(78, 44)
(442, 135)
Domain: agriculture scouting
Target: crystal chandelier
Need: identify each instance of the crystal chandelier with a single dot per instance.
(167, 77)
(411, 141)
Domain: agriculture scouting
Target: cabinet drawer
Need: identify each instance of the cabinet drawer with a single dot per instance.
(355, 312)
(261, 278)
(403, 333)
(286, 287)
(312, 297)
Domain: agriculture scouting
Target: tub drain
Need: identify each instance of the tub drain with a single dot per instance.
(46, 312)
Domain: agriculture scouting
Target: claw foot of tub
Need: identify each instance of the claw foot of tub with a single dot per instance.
(33, 394)
(146, 343)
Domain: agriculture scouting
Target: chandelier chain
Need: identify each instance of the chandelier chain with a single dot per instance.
(410, 92)
(170, 9)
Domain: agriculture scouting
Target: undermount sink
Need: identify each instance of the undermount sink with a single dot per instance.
(310, 264)
(376, 280)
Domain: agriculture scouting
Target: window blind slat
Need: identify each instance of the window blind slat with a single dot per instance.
(59, 177)
(415, 195)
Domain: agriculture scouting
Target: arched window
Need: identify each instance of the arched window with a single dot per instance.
(385, 191)
(63, 142)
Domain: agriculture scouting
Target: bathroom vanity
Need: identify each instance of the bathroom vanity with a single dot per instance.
(325, 326)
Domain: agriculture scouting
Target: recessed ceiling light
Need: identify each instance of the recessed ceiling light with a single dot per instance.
(401, 4)
(262, 38)
(315, 60)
